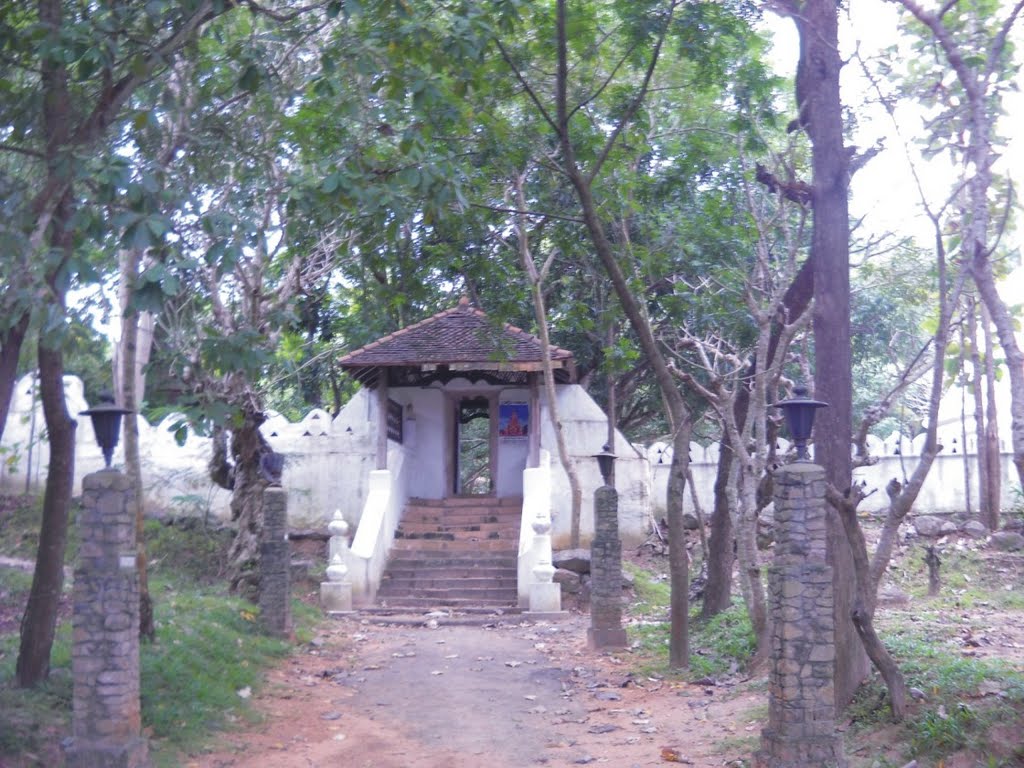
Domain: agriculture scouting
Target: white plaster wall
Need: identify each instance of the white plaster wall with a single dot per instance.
(586, 430)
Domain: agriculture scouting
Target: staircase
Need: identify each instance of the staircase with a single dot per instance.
(458, 553)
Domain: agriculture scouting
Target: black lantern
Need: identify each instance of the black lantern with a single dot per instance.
(799, 412)
(106, 424)
(605, 460)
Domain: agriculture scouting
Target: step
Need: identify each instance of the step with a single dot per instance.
(448, 571)
(441, 517)
(409, 562)
(463, 545)
(467, 559)
(453, 525)
(414, 584)
(467, 501)
(471, 535)
(444, 602)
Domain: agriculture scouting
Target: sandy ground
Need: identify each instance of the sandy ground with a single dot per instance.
(509, 694)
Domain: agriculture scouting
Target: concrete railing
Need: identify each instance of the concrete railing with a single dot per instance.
(385, 502)
(536, 511)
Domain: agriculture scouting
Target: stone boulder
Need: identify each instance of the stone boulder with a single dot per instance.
(975, 529)
(928, 525)
(1008, 541)
(575, 560)
(628, 580)
(948, 528)
(690, 521)
(892, 595)
(569, 580)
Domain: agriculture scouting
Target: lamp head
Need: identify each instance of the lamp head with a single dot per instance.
(799, 413)
(605, 461)
(106, 424)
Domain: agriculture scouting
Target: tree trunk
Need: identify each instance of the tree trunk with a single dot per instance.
(750, 570)
(977, 392)
(817, 24)
(678, 412)
(678, 558)
(718, 590)
(40, 619)
(11, 341)
(1004, 322)
(243, 559)
(992, 448)
(131, 381)
(39, 622)
(863, 611)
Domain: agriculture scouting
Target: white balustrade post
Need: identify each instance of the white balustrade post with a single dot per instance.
(545, 594)
(336, 592)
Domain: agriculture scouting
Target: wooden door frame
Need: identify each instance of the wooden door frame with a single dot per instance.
(452, 400)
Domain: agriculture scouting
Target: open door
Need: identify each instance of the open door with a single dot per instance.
(473, 447)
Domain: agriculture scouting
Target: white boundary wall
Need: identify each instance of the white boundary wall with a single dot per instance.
(328, 461)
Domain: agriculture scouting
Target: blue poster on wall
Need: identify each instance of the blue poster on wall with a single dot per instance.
(513, 421)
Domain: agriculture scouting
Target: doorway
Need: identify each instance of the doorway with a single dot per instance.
(473, 447)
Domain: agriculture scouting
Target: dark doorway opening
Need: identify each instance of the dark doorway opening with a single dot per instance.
(473, 440)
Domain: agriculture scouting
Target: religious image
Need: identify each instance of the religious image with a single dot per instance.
(513, 421)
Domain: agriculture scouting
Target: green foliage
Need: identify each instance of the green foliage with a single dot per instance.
(187, 551)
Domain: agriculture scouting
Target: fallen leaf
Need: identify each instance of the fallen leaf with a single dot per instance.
(672, 755)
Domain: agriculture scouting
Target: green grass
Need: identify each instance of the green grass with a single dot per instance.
(208, 648)
(955, 714)
(718, 646)
(969, 580)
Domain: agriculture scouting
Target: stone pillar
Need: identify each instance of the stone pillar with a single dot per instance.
(606, 574)
(336, 592)
(275, 565)
(801, 710)
(106, 720)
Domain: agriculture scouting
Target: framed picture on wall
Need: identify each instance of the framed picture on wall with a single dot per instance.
(513, 421)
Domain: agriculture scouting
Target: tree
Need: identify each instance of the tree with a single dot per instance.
(973, 42)
(62, 126)
(819, 112)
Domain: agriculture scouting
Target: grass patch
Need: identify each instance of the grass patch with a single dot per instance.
(652, 591)
(718, 646)
(208, 648)
(964, 697)
(186, 552)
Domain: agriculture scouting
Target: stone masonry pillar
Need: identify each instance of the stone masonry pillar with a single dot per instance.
(275, 565)
(606, 573)
(801, 710)
(106, 719)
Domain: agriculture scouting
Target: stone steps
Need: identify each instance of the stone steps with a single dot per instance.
(454, 554)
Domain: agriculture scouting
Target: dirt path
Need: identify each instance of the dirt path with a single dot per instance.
(508, 695)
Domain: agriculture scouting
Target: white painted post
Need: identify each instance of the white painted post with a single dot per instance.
(336, 592)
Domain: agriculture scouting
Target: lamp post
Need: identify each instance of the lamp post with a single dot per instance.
(106, 424)
(799, 412)
(605, 462)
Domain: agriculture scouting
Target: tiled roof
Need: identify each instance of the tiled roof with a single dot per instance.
(462, 336)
